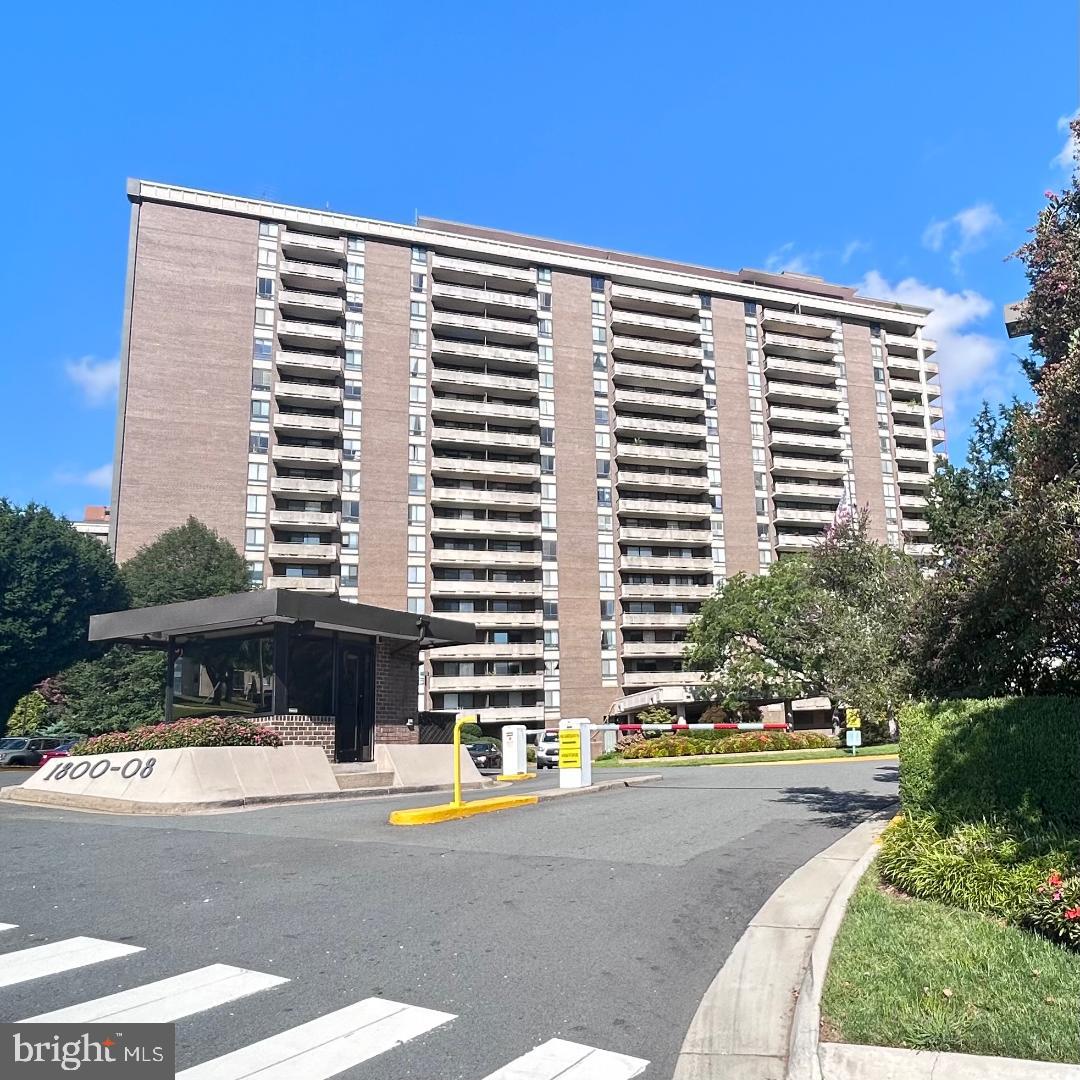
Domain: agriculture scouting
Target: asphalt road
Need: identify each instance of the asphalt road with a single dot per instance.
(599, 919)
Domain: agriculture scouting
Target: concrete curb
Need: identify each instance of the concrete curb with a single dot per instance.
(602, 785)
(842, 1061)
(743, 1028)
(431, 815)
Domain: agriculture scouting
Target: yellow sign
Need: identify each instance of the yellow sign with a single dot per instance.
(569, 749)
(854, 720)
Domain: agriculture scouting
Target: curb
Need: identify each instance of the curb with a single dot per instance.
(603, 785)
(429, 815)
(744, 1025)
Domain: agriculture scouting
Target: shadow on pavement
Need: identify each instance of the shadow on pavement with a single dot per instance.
(840, 809)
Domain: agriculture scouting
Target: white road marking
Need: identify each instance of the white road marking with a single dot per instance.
(326, 1046)
(166, 1000)
(8, 926)
(57, 956)
(558, 1059)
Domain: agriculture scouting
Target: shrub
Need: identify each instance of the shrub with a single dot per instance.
(655, 714)
(735, 743)
(989, 867)
(30, 715)
(1054, 911)
(198, 731)
(530, 753)
(1013, 759)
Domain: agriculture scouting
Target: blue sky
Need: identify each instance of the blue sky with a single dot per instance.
(902, 148)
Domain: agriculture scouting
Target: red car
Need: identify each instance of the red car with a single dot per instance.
(63, 750)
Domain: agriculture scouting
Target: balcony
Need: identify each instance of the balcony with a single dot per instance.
(451, 466)
(665, 564)
(485, 588)
(311, 275)
(302, 422)
(523, 530)
(310, 246)
(663, 378)
(303, 363)
(472, 408)
(792, 323)
(791, 542)
(461, 557)
(830, 494)
(906, 388)
(301, 485)
(909, 433)
(915, 525)
(303, 553)
(655, 618)
(310, 456)
(933, 392)
(665, 429)
(632, 348)
(324, 585)
(531, 715)
(308, 519)
(907, 478)
(481, 324)
(787, 515)
(507, 500)
(636, 298)
(475, 350)
(785, 393)
(913, 502)
(919, 551)
(799, 440)
(901, 345)
(310, 333)
(525, 650)
(663, 327)
(310, 304)
(481, 683)
(308, 393)
(452, 378)
(800, 347)
(478, 274)
(904, 366)
(500, 620)
(907, 453)
(687, 535)
(478, 300)
(481, 439)
(909, 409)
(665, 592)
(808, 419)
(663, 481)
(805, 466)
(937, 413)
(785, 368)
(674, 404)
(646, 680)
(634, 649)
(665, 508)
(650, 454)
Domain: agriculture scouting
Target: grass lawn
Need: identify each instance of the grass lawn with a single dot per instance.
(928, 977)
(765, 755)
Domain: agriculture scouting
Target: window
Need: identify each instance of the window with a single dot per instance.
(599, 309)
(603, 496)
(597, 284)
(417, 367)
(599, 334)
(757, 454)
(707, 350)
(255, 571)
(265, 288)
(884, 440)
(354, 303)
(547, 491)
(762, 531)
(350, 449)
(417, 544)
(543, 273)
(416, 484)
(754, 379)
(353, 391)
(417, 309)
(417, 424)
(551, 578)
(260, 410)
(607, 580)
(417, 338)
(547, 519)
(545, 353)
(603, 468)
(350, 541)
(418, 282)
(419, 254)
(706, 322)
(551, 609)
(551, 639)
(417, 394)
(267, 228)
(354, 359)
(354, 243)
(416, 575)
(254, 538)
(759, 481)
(603, 440)
(547, 436)
(757, 430)
(548, 549)
(547, 407)
(764, 556)
(603, 522)
(551, 699)
(880, 396)
(544, 328)
(263, 350)
(348, 576)
(755, 403)
(607, 639)
(257, 471)
(547, 464)
(260, 379)
(751, 332)
(760, 506)
(599, 362)
(551, 667)
(258, 444)
(608, 669)
(350, 480)
(547, 380)
(417, 513)
(886, 467)
(601, 414)
(543, 301)
(607, 609)
(350, 510)
(267, 257)
(599, 387)
(264, 316)
(416, 452)
(879, 375)
(256, 504)
(749, 307)
(607, 552)
(352, 418)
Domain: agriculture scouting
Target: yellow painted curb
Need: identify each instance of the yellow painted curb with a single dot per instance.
(429, 815)
(805, 761)
(515, 776)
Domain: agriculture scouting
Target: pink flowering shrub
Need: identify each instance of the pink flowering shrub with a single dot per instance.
(1054, 911)
(197, 731)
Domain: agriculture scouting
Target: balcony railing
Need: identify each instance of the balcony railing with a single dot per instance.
(665, 592)
(786, 368)
(311, 331)
(674, 429)
(315, 274)
(303, 584)
(825, 493)
(795, 541)
(483, 297)
(653, 375)
(790, 345)
(467, 437)
(311, 519)
(484, 527)
(452, 466)
(484, 588)
(318, 363)
(308, 553)
(479, 351)
(649, 679)
(814, 419)
(304, 422)
(639, 298)
(649, 453)
(299, 391)
(782, 393)
(655, 618)
(661, 326)
(301, 485)
(800, 466)
(468, 408)
(669, 403)
(453, 377)
(306, 455)
(309, 242)
(664, 508)
(663, 350)
(482, 324)
(682, 535)
(816, 326)
(454, 496)
(793, 516)
(462, 557)
(445, 267)
(783, 440)
(674, 481)
(666, 564)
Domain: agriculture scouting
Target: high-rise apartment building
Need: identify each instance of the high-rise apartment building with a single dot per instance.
(569, 447)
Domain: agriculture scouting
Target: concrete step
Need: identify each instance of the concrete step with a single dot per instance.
(352, 779)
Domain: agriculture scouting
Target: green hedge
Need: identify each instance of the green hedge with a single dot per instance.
(199, 731)
(735, 742)
(1008, 758)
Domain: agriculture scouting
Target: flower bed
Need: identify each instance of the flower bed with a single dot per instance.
(742, 742)
(202, 731)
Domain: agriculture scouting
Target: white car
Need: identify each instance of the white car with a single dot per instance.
(547, 750)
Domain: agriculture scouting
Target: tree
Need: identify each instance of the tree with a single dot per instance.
(123, 689)
(190, 562)
(30, 715)
(52, 579)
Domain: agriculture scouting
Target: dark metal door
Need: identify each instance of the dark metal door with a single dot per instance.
(355, 729)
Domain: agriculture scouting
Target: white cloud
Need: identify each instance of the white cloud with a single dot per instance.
(964, 232)
(97, 379)
(1066, 158)
(851, 249)
(786, 258)
(973, 365)
(101, 477)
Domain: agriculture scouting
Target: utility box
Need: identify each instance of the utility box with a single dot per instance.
(515, 764)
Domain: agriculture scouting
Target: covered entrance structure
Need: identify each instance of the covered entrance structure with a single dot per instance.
(318, 670)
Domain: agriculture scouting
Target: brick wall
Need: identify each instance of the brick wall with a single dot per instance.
(396, 665)
(298, 730)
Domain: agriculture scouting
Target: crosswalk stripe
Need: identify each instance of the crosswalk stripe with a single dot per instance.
(57, 956)
(8, 926)
(558, 1059)
(326, 1046)
(166, 1000)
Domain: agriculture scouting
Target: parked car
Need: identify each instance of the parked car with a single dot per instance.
(485, 755)
(63, 750)
(25, 751)
(547, 750)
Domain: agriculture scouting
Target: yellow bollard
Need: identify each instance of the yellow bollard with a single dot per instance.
(459, 723)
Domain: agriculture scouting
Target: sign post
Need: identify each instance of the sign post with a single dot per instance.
(575, 753)
(854, 730)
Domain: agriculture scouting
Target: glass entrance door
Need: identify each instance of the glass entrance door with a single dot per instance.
(355, 733)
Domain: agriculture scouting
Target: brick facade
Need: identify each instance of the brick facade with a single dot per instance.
(396, 665)
(297, 730)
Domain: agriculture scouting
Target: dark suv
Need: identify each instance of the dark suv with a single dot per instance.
(26, 751)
